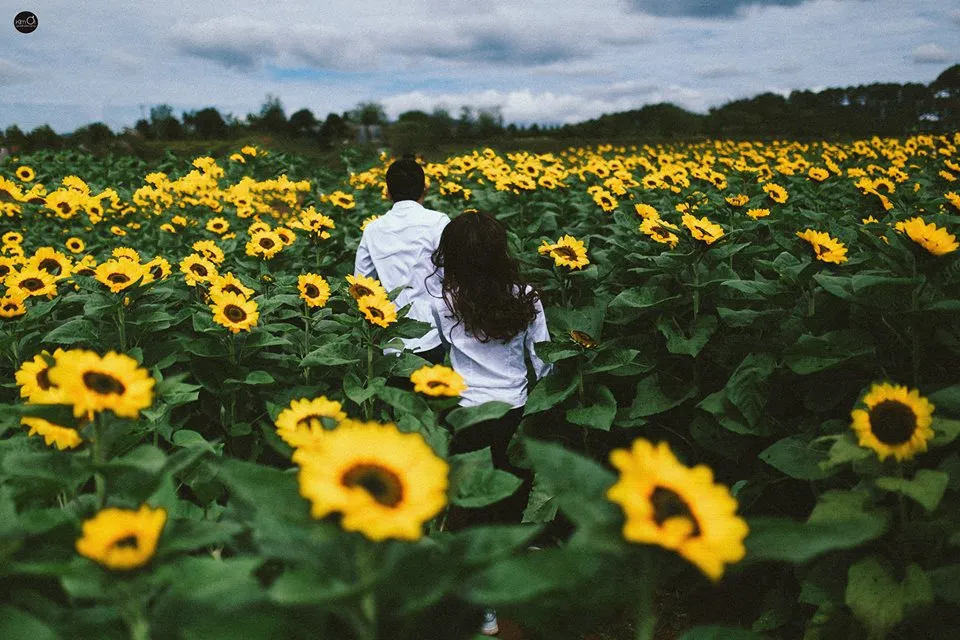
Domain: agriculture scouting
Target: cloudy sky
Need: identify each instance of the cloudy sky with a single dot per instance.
(538, 60)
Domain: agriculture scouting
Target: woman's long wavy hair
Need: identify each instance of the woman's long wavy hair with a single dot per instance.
(482, 286)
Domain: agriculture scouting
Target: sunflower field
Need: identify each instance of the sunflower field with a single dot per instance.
(751, 429)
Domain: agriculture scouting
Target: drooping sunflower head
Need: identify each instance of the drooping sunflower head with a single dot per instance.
(384, 483)
(155, 270)
(378, 310)
(702, 229)
(302, 423)
(361, 286)
(122, 539)
(677, 507)
(826, 248)
(583, 339)
(314, 290)
(895, 421)
(660, 231)
(438, 380)
(737, 200)
(756, 214)
(235, 312)
(937, 241)
(92, 383)
(209, 250)
(53, 435)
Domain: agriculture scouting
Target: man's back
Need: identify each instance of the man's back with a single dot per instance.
(397, 249)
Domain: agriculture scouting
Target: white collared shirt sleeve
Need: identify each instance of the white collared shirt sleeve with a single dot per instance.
(363, 264)
(538, 332)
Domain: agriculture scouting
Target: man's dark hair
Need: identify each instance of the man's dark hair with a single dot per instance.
(405, 180)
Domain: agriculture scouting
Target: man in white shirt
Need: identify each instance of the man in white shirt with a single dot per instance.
(397, 248)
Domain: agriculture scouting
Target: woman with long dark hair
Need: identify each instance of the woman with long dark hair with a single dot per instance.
(489, 319)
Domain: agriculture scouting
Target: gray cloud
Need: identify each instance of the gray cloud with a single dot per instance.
(930, 53)
(720, 71)
(489, 44)
(703, 8)
(12, 73)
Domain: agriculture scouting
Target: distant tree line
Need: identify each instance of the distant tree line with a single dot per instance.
(884, 109)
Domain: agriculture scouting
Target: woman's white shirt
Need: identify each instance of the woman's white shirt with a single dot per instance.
(492, 370)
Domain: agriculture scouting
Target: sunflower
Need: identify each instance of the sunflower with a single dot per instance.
(169, 228)
(342, 200)
(12, 306)
(583, 339)
(8, 266)
(300, 424)
(197, 269)
(827, 249)
(287, 236)
(677, 507)
(48, 259)
(126, 253)
(265, 244)
(567, 252)
(235, 312)
(25, 173)
(156, 269)
(118, 231)
(869, 220)
(819, 174)
(118, 275)
(605, 200)
(929, 236)
(702, 229)
(34, 379)
(209, 250)
(660, 231)
(385, 483)
(378, 310)
(365, 223)
(12, 237)
(257, 227)
(438, 380)
(31, 281)
(92, 383)
(122, 539)
(75, 245)
(896, 421)
(53, 435)
(775, 192)
(314, 290)
(646, 211)
(229, 283)
(756, 214)
(218, 225)
(361, 286)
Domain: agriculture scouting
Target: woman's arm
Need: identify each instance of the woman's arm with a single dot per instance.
(538, 332)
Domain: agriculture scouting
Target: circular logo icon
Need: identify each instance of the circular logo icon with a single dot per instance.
(25, 22)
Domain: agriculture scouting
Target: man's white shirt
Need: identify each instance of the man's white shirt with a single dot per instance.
(397, 249)
(493, 370)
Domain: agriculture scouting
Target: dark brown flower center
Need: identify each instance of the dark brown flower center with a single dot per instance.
(267, 243)
(50, 265)
(433, 384)
(667, 504)
(32, 284)
(232, 288)
(234, 313)
(4, 270)
(118, 278)
(892, 422)
(358, 291)
(127, 542)
(376, 313)
(199, 269)
(64, 207)
(382, 484)
(156, 271)
(311, 291)
(308, 421)
(566, 252)
(103, 383)
(11, 306)
(43, 378)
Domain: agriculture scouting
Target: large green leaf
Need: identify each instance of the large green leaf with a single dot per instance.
(549, 392)
(657, 393)
(690, 342)
(878, 601)
(810, 354)
(600, 411)
(332, 353)
(474, 482)
(927, 487)
(795, 457)
(463, 417)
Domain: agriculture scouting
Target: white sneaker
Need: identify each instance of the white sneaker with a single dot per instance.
(489, 626)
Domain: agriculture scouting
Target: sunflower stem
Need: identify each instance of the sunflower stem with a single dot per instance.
(368, 403)
(366, 565)
(306, 340)
(914, 333)
(99, 457)
(646, 614)
(121, 327)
